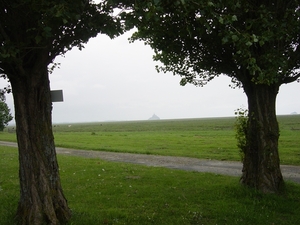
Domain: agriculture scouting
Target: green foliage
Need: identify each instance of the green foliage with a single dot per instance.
(241, 129)
(32, 30)
(248, 41)
(120, 193)
(255, 43)
(32, 34)
(5, 115)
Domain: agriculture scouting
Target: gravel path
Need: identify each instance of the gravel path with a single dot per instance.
(183, 163)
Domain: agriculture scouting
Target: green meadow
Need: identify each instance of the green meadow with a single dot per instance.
(208, 138)
(101, 192)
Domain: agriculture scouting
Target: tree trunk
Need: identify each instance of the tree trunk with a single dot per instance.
(261, 164)
(41, 197)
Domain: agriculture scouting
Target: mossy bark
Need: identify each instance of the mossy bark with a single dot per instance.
(261, 164)
(41, 197)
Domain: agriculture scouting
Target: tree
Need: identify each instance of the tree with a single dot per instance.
(32, 34)
(5, 115)
(255, 43)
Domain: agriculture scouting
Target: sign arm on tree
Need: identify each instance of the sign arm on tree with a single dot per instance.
(32, 34)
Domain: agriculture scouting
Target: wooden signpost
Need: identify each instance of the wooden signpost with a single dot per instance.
(57, 96)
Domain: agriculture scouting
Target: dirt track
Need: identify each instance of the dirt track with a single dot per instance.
(183, 163)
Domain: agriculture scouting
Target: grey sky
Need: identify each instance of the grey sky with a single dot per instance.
(114, 80)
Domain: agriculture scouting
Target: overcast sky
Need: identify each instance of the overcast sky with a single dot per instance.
(113, 80)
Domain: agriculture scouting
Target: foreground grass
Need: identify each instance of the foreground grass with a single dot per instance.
(212, 138)
(101, 192)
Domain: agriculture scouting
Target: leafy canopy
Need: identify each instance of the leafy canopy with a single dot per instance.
(249, 41)
(34, 31)
(5, 115)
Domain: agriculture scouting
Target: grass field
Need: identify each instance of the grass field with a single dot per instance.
(101, 192)
(210, 138)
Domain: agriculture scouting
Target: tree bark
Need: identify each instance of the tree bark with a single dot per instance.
(261, 164)
(41, 197)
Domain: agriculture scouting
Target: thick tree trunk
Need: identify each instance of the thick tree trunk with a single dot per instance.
(41, 196)
(261, 164)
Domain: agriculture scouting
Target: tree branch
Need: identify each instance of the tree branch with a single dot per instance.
(287, 80)
(3, 33)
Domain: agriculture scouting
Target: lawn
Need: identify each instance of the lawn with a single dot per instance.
(209, 138)
(101, 192)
